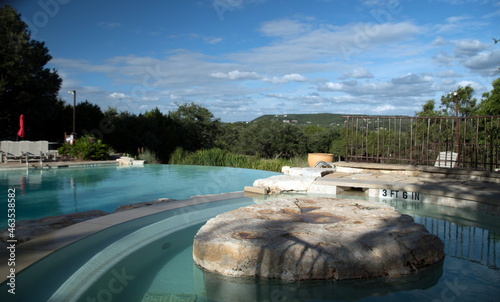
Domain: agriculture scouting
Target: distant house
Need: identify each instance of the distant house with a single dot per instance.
(286, 121)
(295, 121)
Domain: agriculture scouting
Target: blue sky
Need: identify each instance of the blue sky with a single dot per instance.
(245, 58)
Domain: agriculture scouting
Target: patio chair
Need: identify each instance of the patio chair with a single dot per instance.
(36, 150)
(11, 150)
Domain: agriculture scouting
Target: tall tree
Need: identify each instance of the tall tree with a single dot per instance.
(464, 97)
(26, 86)
(197, 125)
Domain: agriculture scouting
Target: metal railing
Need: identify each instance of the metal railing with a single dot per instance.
(464, 142)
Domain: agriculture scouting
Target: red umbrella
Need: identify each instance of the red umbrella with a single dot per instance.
(20, 133)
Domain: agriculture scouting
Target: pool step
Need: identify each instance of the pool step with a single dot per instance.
(162, 297)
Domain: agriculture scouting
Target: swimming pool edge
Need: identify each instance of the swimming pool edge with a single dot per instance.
(30, 252)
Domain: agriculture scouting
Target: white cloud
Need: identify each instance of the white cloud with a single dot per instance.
(476, 86)
(174, 97)
(330, 86)
(412, 78)
(235, 75)
(118, 95)
(485, 63)
(403, 86)
(448, 82)
(327, 41)
(293, 77)
(384, 108)
(284, 27)
(459, 24)
(358, 73)
(440, 41)
(212, 40)
(150, 98)
(448, 74)
(469, 48)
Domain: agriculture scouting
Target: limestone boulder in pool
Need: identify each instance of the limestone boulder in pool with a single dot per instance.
(312, 239)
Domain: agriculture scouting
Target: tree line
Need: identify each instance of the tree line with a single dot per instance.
(192, 127)
(463, 103)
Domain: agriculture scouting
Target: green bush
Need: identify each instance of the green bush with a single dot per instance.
(85, 148)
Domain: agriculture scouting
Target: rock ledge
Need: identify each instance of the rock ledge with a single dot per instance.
(313, 239)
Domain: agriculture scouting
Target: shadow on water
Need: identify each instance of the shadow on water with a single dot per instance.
(221, 288)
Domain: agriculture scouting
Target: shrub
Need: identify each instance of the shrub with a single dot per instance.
(85, 148)
(149, 156)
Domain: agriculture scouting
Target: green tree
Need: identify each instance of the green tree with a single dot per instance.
(466, 102)
(131, 133)
(88, 118)
(196, 126)
(490, 103)
(320, 139)
(229, 137)
(273, 139)
(26, 86)
(428, 109)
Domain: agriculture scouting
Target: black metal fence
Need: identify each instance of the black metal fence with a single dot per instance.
(464, 142)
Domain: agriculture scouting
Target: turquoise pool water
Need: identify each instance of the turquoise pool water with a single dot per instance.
(48, 192)
(150, 259)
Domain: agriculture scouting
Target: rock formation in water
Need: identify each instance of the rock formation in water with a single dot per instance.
(312, 239)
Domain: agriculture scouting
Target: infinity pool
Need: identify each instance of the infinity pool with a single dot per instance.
(48, 192)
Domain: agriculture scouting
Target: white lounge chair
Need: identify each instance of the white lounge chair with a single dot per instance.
(11, 150)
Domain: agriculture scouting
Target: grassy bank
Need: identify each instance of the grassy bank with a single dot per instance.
(219, 157)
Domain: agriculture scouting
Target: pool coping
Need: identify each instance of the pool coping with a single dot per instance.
(29, 252)
(55, 164)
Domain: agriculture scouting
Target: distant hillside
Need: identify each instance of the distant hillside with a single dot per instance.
(318, 119)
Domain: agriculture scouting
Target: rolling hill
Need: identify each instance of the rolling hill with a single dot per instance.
(317, 119)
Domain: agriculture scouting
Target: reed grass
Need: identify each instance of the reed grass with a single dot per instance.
(219, 157)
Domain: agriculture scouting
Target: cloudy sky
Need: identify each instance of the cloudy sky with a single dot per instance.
(245, 58)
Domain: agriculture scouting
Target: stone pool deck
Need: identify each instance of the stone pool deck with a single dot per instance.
(460, 188)
(475, 190)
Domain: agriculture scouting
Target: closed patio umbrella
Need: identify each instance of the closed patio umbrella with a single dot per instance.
(20, 133)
